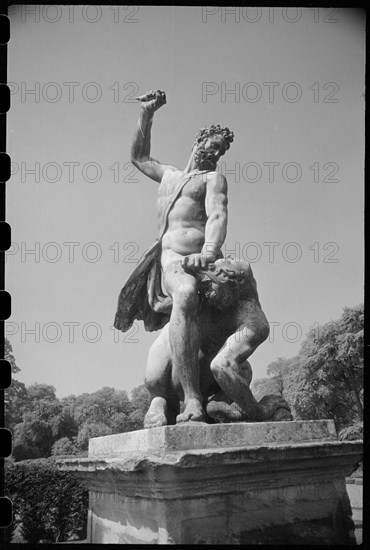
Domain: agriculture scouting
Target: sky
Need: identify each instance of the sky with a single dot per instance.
(288, 82)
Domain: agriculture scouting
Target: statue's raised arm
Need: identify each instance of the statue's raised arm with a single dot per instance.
(140, 150)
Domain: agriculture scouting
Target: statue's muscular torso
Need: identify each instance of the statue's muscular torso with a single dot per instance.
(187, 218)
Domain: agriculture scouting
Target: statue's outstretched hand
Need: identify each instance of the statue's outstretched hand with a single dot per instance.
(152, 100)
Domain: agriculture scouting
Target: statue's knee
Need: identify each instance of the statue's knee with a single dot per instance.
(256, 334)
(216, 367)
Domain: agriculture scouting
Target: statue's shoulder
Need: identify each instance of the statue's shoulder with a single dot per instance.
(216, 182)
(215, 175)
(170, 171)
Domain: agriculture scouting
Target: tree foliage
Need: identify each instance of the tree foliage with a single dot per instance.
(34, 433)
(63, 446)
(325, 380)
(91, 429)
(332, 368)
(15, 395)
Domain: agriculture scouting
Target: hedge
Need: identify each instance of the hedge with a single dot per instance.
(48, 505)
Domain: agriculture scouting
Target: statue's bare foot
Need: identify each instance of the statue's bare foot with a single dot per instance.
(223, 412)
(271, 407)
(193, 412)
(156, 415)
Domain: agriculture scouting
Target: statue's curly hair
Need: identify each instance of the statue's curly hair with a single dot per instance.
(212, 130)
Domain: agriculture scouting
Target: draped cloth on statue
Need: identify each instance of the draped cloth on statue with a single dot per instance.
(142, 296)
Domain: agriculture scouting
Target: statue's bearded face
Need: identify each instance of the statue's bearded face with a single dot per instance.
(226, 283)
(209, 151)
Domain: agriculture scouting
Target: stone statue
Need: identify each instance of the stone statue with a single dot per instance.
(207, 306)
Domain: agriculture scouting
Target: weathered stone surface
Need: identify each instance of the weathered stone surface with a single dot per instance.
(253, 517)
(272, 490)
(195, 435)
(355, 493)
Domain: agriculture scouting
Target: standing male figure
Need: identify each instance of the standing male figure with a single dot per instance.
(192, 204)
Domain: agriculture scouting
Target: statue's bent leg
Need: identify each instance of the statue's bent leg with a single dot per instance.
(232, 370)
(233, 373)
(184, 338)
(158, 382)
(232, 376)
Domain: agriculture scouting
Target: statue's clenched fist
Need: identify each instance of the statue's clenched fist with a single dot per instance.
(198, 261)
(152, 100)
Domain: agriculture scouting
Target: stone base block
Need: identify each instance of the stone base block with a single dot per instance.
(246, 483)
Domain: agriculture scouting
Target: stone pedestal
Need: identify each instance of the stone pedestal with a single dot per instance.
(245, 483)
